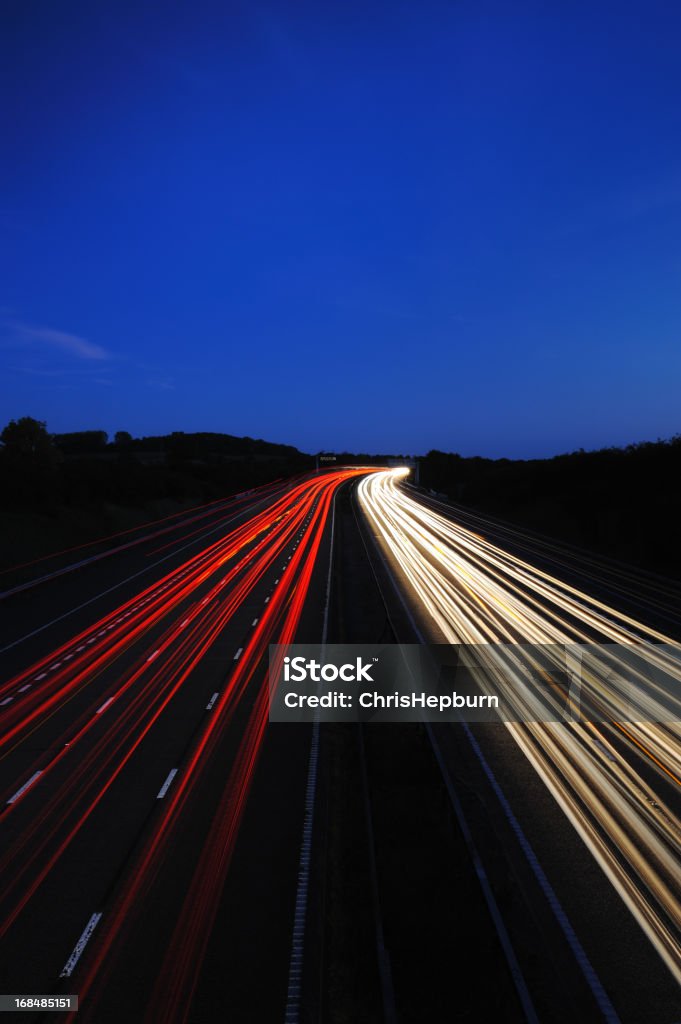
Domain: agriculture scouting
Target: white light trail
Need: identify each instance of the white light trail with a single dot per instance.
(471, 591)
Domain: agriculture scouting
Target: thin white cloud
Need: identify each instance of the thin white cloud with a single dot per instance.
(71, 343)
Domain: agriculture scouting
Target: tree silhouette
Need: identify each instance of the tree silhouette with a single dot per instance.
(27, 439)
(28, 460)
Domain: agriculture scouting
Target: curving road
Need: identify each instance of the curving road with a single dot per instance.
(615, 774)
(128, 752)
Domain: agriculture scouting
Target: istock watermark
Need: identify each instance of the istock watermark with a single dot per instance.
(300, 670)
(475, 683)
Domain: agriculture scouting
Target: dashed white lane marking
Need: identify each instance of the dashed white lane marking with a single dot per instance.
(604, 750)
(81, 648)
(55, 666)
(80, 946)
(292, 1012)
(266, 600)
(41, 676)
(7, 700)
(255, 622)
(152, 656)
(166, 785)
(67, 657)
(26, 785)
(104, 706)
(209, 705)
(238, 654)
(296, 963)
(275, 582)
(27, 687)
(183, 624)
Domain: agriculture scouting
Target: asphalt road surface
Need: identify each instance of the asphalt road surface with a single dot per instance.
(134, 752)
(583, 816)
(160, 852)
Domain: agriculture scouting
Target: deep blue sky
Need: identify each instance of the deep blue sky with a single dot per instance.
(364, 225)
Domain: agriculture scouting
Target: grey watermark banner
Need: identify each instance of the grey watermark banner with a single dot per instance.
(37, 1003)
(475, 683)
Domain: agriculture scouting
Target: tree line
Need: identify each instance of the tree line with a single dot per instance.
(43, 471)
(622, 502)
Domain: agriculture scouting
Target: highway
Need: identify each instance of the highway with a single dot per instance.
(615, 779)
(169, 856)
(134, 713)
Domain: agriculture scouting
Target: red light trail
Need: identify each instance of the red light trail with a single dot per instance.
(109, 686)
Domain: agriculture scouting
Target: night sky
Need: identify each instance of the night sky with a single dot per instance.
(344, 225)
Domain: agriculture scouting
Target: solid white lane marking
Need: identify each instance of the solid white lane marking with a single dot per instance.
(25, 786)
(104, 706)
(210, 703)
(592, 979)
(238, 654)
(164, 788)
(80, 946)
